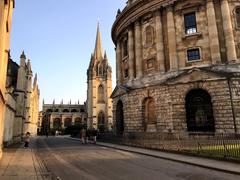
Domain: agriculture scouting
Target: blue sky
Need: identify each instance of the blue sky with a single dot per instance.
(59, 37)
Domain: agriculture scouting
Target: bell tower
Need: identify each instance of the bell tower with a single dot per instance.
(99, 80)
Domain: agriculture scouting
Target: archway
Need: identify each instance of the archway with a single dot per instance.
(199, 112)
(119, 118)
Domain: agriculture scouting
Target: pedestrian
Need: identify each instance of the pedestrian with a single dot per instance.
(83, 135)
(94, 136)
(27, 140)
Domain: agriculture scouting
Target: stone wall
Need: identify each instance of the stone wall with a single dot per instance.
(170, 106)
(235, 86)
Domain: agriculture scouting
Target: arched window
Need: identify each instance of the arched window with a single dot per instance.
(199, 111)
(65, 110)
(57, 123)
(149, 114)
(149, 35)
(67, 122)
(101, 122)
(101, 94)
(237, 12)
(74, 110)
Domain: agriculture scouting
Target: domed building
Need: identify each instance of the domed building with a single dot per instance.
(178, 67)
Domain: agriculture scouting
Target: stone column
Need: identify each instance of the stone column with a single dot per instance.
(131, 53)
(228, 31)
(213, 33)
(119, 63)
(159, 41)
(172, 46)
(138, 49)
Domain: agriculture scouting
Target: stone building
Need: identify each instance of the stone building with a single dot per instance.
(99, 80)
(6, 10)
(61, 116)
(178, 67)
(22, 99)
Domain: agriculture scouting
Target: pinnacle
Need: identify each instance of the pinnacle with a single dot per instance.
(98, 46)
(23, 55)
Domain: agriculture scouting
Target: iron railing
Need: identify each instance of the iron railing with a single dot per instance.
(215, 145)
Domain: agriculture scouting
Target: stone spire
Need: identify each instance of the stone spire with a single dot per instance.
(98, 46)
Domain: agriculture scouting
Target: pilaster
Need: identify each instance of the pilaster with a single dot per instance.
(213, 33)
(131, 53)
(138, 49)
(228, 32)
(159, 42)
(172, 46)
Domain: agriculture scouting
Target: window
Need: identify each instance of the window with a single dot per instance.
(190, 23)
(149, 35)
(101, 122)
(193, 54)
(238, 16)
(100, 94)
(150, 63)
(125, 73)
(125, 48)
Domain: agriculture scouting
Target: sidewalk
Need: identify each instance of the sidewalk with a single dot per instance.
(18, 163)
(223, 166)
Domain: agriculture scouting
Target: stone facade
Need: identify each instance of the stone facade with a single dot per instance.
(60, 116)
(178, 67)
(6, 10)
(21, 111)
(99, 103)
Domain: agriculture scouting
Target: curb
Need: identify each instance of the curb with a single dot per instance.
(166, 158)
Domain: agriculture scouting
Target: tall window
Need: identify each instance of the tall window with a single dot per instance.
(149, 35)
(190, 23)
(101, 94)
(237, 11)
(125, 47)
(125, 73)
(193, 54)
(101, 121)
(199, 111)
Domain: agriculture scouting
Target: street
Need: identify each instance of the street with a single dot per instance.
(68, 159)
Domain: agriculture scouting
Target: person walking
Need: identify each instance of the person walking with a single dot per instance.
(27, 140)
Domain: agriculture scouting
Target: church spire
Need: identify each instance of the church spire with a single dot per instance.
(98, 46)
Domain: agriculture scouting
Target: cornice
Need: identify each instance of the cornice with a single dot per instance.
(131, 13)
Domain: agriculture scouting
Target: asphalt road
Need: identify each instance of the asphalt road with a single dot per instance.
(69, 160)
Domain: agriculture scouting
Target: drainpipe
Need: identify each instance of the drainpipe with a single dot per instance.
(233, 112)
